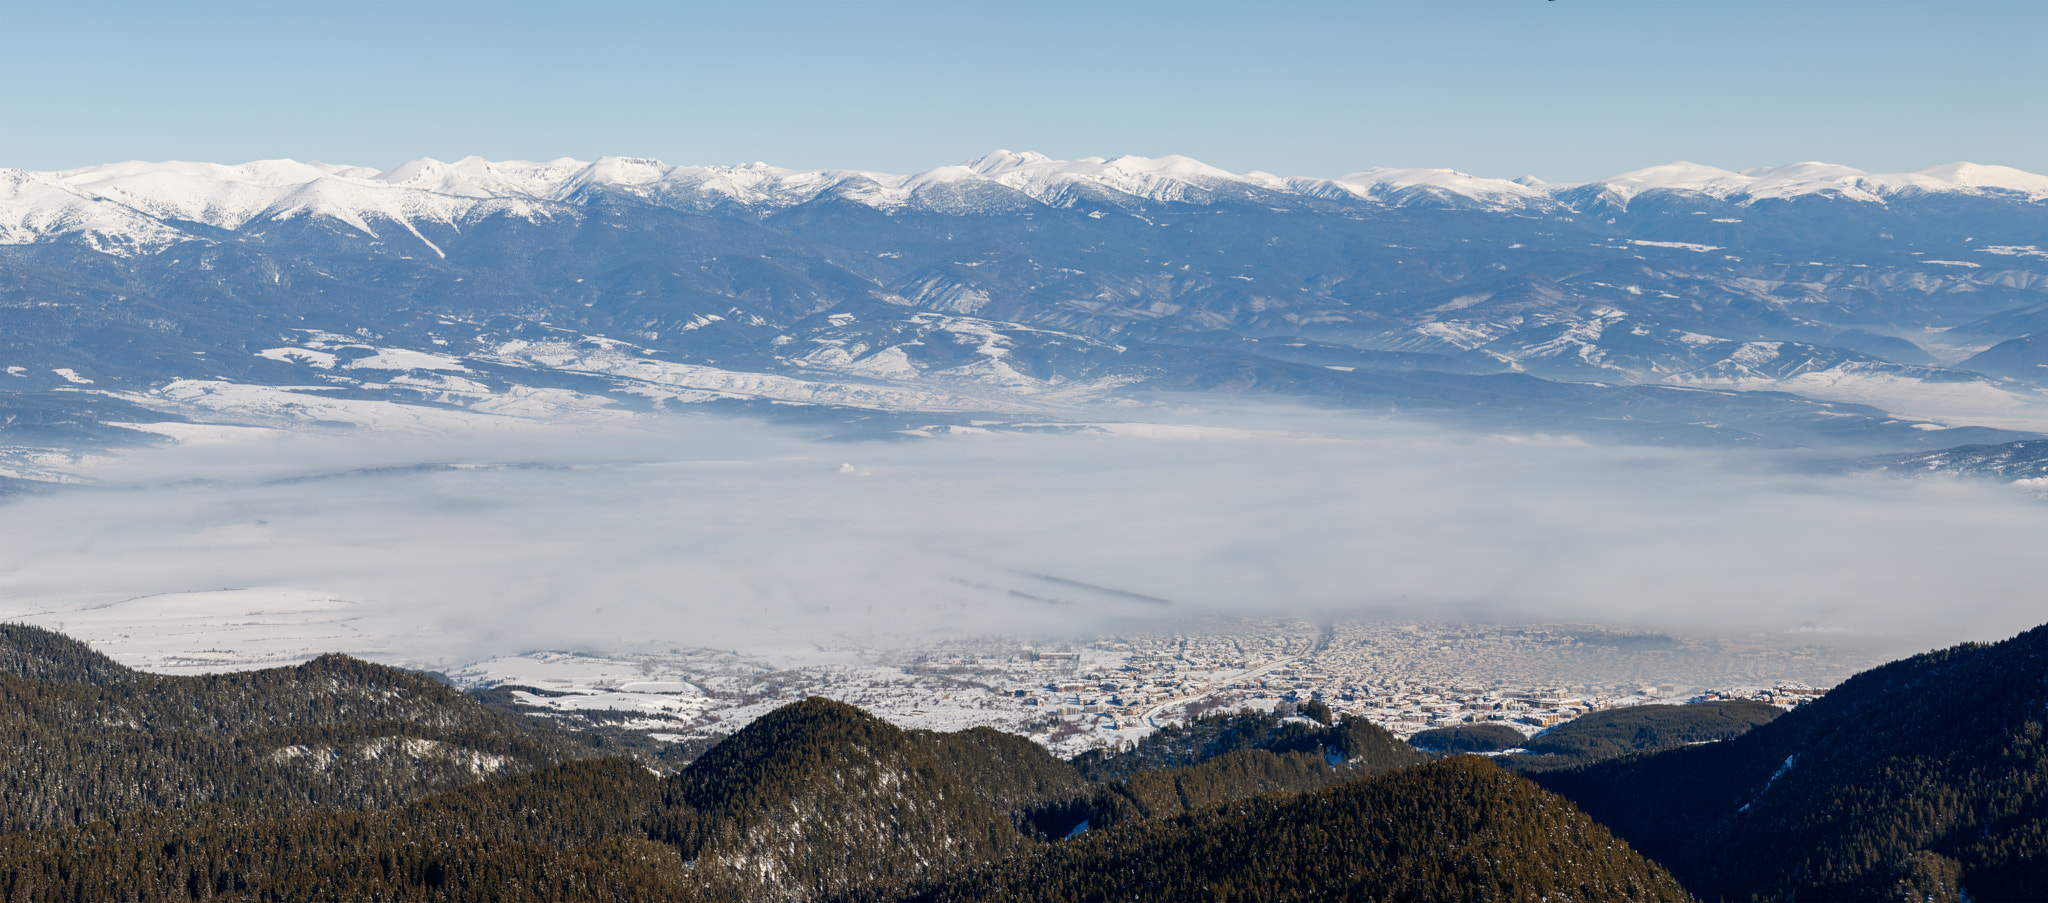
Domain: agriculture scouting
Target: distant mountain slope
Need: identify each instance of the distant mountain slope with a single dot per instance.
(1199, 740)
(2010, 461)
(1482, 737)
(1221, 759)
(300, 294)
(1926, 778)
(1598, 736)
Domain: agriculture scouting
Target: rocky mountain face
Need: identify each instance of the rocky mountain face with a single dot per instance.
(1665, 305)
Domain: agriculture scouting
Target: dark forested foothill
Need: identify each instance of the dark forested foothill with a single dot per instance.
(1926, 779)
(1460, 829)
(1200, 739)
(1223, 758)
(1923, 779)
(820, 797)
(1598, 736)
(814, 799)
(318, 782)
(570, 832)
(86, 738)
(1468, 738)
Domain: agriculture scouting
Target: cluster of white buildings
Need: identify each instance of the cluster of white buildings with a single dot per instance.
(1406, 678)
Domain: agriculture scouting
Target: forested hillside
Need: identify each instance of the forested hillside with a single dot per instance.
(1461, 829)
(1923, 779)
(819, 797)
(88, 739)
(318, 782)
(610, 830)
(1483, 737)
(815, 799)
(1599, 736)
(1354, 741)
(571, 832)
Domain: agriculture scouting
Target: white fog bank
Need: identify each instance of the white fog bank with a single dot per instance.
(728, 534)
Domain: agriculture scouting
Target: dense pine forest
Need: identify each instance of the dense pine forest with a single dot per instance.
(1599, 736)
(1926, 779)
(1922, 779)
(87, 739)
(1461, 829)
(1479, 737)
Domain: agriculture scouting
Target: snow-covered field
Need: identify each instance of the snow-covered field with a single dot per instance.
(210, 630)
(695, 692)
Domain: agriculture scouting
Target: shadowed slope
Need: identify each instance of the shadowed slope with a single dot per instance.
(1924, 778)
(820, 797)
(1454, 830)
(92, 739)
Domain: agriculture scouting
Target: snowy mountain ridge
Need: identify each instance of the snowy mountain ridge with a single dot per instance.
(1803, 304)
(144, 206)
(1814, 178)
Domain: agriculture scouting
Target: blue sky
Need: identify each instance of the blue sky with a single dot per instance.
(1566, 90)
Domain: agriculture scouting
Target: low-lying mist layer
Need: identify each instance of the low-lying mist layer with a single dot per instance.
(729, 534)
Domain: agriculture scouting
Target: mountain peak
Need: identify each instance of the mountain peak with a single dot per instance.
(1678, 173)
(999, 161)
(1981, 176)
(132, 206)
(1804, 171)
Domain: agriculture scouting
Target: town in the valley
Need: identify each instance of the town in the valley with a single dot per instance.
(1113, 689)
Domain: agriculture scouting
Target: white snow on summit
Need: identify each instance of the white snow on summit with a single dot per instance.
(35, 206)
(475, 177)
(1980, 176)
(140, 207)
(1810, 178)
(1400, 186)
(210, 193)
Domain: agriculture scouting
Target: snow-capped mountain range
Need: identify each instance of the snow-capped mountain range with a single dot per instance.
(1898, 311)
(135, 207)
